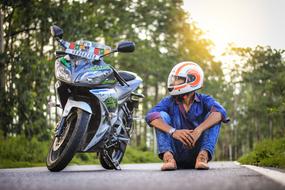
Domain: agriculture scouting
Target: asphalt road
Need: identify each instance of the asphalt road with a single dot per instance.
(221, 176)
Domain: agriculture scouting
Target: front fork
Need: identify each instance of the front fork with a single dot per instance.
(60, 127)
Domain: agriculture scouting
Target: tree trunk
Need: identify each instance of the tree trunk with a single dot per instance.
(2, 62)
(2, 76)
(143, 131)
(270, 128)
(156, 92)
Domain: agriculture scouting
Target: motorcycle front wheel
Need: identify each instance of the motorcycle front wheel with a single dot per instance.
(63, 148)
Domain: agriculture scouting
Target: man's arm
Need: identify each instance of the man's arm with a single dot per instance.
(213, 118)
(160, 124)
(154, 113)
(213, 106)
(183, 135)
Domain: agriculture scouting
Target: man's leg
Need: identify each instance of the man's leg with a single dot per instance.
(165, 146)
(207, 145)
(209, 139)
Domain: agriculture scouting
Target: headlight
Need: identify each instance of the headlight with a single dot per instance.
(93, 77)
(62, 73)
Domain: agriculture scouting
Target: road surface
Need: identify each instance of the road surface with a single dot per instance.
(221, 176)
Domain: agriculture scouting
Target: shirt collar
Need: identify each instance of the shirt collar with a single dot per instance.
(196, 98)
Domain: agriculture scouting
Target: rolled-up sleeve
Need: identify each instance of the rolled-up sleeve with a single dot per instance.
(154, 113)
(213, 106)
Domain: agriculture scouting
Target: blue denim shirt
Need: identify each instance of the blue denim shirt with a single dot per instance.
(201, 107)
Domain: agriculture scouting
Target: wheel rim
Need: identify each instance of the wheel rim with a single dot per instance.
(117, 153)
(59, 143)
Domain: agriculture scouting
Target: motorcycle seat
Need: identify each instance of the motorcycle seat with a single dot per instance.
(127, 76)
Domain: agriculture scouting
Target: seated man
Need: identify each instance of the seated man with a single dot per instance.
(187, 124)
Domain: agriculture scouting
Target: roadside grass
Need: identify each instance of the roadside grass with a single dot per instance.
(135, 155)
(18, 164)
(18, 152)
(268, 153)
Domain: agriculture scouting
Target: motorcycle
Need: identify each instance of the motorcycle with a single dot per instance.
(98, 103)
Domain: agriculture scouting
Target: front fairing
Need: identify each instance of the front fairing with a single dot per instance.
(79, 71)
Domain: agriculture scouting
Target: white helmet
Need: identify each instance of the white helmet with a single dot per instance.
(190, 75)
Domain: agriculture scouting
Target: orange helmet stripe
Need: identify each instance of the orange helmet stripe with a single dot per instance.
(197, 76)
(179, 87)
(181, 67)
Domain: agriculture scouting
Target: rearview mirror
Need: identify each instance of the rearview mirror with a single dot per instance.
(126, 46)
(56, 31)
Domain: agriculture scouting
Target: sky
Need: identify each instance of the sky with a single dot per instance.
(246, 23)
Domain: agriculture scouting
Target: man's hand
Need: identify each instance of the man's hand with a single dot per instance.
(184, 136)
(195, 134)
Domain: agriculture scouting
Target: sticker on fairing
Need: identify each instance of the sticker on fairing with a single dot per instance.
(111, 103)
(100, 67)
(108, 96)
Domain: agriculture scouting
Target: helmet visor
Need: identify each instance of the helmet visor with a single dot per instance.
(174, 80)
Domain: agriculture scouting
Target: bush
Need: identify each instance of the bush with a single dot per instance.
(133, 155)
(269, 153)
(18, 151)
(85, 158)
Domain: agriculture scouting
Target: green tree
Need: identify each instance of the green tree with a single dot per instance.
(256, 102)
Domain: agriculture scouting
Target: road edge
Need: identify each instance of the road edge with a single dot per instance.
(277, 176)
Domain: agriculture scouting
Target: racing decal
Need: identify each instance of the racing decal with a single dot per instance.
(87, 49)
(107, 81)
(107, 96)
(71, 45)
(100, 67)
(64, 62)
(96, 51)
(111, 103)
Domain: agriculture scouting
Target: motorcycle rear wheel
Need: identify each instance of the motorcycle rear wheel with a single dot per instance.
(116, 154)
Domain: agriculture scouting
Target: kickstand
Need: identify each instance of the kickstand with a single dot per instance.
(115, 164)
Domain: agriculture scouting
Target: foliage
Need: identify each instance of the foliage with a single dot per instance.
(160, 29)
(254, 97)
(134, 155)
(251, 90)
(16, 151)
(21, 152)
(268, 152)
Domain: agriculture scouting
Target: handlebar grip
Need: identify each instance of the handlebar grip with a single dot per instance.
(58, 52)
